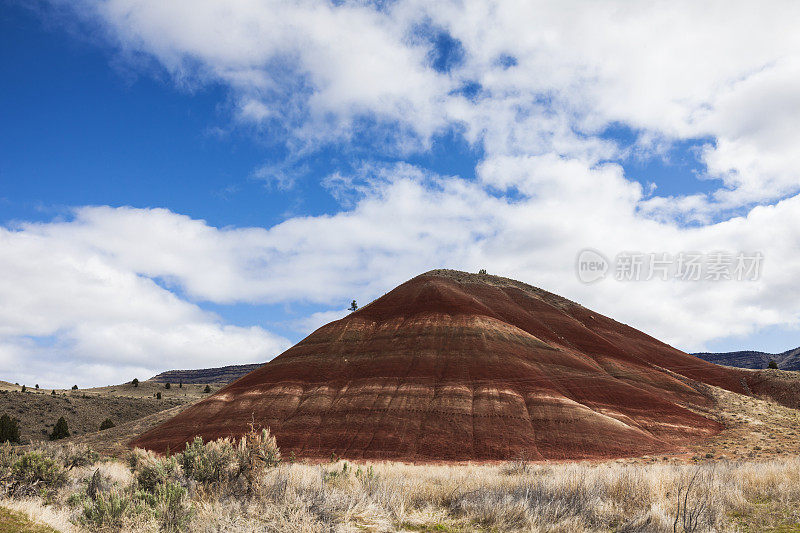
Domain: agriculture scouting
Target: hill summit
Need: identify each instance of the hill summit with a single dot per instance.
(456, 366)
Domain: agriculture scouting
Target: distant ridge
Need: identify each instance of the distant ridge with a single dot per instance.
(788, 360)
(223, 374)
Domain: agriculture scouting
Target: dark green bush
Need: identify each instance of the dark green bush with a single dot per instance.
(61, 430)
(107, 424)
(9, 429)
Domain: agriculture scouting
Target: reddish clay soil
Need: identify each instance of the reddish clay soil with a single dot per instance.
(457, 367)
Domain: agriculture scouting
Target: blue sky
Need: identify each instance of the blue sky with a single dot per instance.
(337, 150)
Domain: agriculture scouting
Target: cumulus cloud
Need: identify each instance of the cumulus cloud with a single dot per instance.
(92, 287)
(71, 313)
(543, 77)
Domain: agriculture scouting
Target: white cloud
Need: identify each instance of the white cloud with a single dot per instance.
(725, 71)
(723, 74)
(86, 286)
(70, 309)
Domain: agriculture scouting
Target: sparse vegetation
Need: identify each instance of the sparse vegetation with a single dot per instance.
(242, 485)
(772, 364)
(74, 387)
(167, 385)
(207, 389)
(106, 424)
(135, 382)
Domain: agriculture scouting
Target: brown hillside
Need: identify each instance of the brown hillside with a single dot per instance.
(456, 366)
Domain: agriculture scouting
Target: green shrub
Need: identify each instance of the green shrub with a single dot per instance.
(135, 382)
(106, 510)
(772, 364)
(33, 472)
(61, 430)
(9, 429)
(106, 424)
(172, 507)
(153, 471)
(167, 386)
(207, 389)
(74, 387)
(209, 463)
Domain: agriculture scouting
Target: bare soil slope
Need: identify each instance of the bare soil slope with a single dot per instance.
(456, 366)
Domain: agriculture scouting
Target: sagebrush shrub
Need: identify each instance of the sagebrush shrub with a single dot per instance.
(154, 471)
(213, 462)
(33, 473)
(256, 451)
(172, 506)
(106, 509)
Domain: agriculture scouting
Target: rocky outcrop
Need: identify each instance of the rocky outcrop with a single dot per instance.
(223, 374)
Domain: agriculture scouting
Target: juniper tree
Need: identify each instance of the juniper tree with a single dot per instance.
(9, 429)
(61, 430)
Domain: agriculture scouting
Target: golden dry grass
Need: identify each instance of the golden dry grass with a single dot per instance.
(726, 496)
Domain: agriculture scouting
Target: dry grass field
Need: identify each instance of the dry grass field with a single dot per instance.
(164, 494)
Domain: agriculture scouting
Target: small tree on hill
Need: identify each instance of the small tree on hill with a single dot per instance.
(61, 430)
(106, 424)
(482, 271)
(180, 384)
(135, 382)
(772, 364)
(37, 386)
(353, 306)
(74, 387)
(53, 392)
(158, 396)
(9, 429)
(167, 386)
(24, 388)
(207, 389)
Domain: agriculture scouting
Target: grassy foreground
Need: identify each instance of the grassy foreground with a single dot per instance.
(245, 486)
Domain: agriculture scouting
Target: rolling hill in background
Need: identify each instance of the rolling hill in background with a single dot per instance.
(223, 374)
(788, 360)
